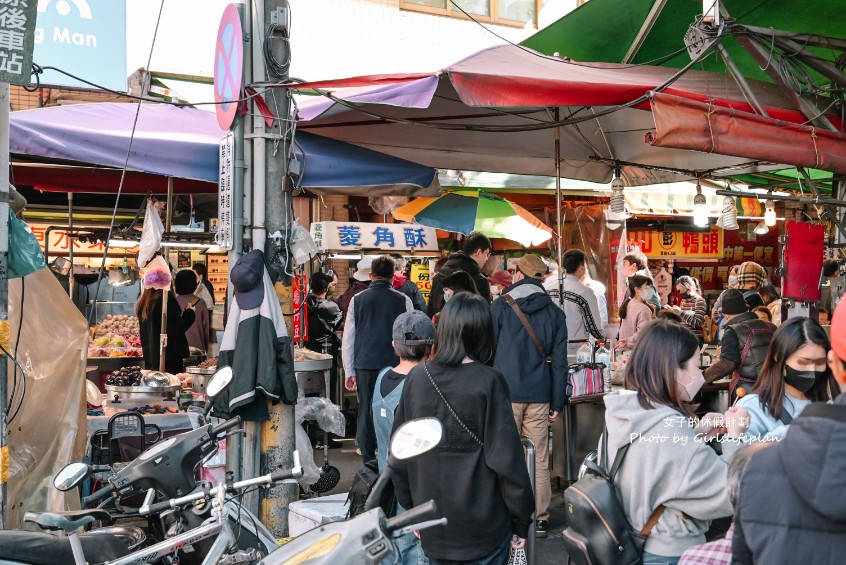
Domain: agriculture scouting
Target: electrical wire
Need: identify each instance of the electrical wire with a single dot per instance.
(657, 60)
(123, 176)
(17, 365)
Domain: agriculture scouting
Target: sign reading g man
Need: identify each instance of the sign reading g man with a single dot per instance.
(86, 38)
(17, 33)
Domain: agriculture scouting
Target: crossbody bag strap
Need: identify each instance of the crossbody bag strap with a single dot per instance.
(653, 519)
(451, 411)
(525, 321)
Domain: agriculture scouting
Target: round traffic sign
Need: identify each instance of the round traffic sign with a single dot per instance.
(228, 66)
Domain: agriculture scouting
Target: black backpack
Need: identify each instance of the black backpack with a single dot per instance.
(363, 482)
(598, 530)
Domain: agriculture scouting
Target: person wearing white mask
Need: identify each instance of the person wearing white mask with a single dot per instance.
(635, 312)
(668, 471)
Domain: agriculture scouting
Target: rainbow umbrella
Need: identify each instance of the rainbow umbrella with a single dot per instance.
(464, 211)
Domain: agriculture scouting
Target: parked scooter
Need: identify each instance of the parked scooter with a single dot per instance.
(369, 537)
(216, 529)
(169, 467)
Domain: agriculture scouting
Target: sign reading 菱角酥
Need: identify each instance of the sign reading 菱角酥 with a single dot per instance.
(354, 236)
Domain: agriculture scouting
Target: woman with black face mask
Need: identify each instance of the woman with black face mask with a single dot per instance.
(794, 374)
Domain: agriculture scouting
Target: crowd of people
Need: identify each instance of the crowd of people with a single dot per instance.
(487, 351)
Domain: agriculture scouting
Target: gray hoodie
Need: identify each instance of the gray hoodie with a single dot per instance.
(667, 464)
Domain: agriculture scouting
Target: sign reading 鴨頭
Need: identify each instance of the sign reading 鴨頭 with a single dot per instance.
(86, 38)
(354, 236)
(17, 34)
(680, 245)
(420, 277)
(224, 234)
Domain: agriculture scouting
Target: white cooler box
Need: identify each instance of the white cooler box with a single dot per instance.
(305, 515)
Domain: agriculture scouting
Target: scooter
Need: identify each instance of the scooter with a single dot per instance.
(369, 537)
(216, 529)
(167, 467)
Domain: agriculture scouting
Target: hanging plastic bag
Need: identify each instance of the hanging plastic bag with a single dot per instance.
(157, 274)
(302, 244)
(151, 235)
(328, 416)
(25, 254)
(310, 471)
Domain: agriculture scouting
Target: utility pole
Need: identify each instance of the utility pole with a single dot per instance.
(277, 434)
(5, 462)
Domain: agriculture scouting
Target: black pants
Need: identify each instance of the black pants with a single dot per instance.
(365, 431)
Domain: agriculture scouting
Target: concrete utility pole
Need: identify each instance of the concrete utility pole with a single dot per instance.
(277, 434)
(5, 463)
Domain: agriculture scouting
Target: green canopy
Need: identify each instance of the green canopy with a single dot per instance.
(605, 30)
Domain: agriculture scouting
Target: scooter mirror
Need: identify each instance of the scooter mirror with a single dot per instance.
(416, 437)
(218, 382)
(70, 476)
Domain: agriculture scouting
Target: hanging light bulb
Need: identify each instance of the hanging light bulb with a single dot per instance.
(728, 218)
(762, 229)
(618, 200)
(769, 213)
(700, 208)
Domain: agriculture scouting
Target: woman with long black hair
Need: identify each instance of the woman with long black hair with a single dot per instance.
(149, 312)
(478, 476)
(795, 373)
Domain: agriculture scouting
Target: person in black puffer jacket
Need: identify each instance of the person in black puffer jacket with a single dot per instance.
(476, 251)
(324, 318)
(792, 506)
(742, 328)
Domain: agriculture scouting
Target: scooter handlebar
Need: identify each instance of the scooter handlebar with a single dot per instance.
(422, 513)
(157, 507)
(226, 425)
(97, 495)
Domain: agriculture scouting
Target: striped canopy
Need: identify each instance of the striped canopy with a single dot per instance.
(464, 211)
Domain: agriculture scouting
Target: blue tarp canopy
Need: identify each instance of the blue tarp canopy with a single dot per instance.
(81, 148)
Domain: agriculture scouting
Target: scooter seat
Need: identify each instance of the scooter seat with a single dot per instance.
(68, 521)
(42, 548)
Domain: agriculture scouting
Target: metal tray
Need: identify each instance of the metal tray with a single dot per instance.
(201, 370)
(146, 390)
(312, 365)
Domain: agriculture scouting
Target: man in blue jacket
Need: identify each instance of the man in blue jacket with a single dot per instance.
(536, 379)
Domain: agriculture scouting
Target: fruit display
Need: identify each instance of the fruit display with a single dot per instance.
(118, 325)
(127, 376)
(116, 336)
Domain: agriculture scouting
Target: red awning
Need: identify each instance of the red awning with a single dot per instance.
(681, 123)
(66, 178)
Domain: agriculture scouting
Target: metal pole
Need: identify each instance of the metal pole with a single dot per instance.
(277, 439)
(4, 294)
(70, 243)
(234, 457)
(250, 443)
(165, 293)
(559, 225)
(530, 464)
